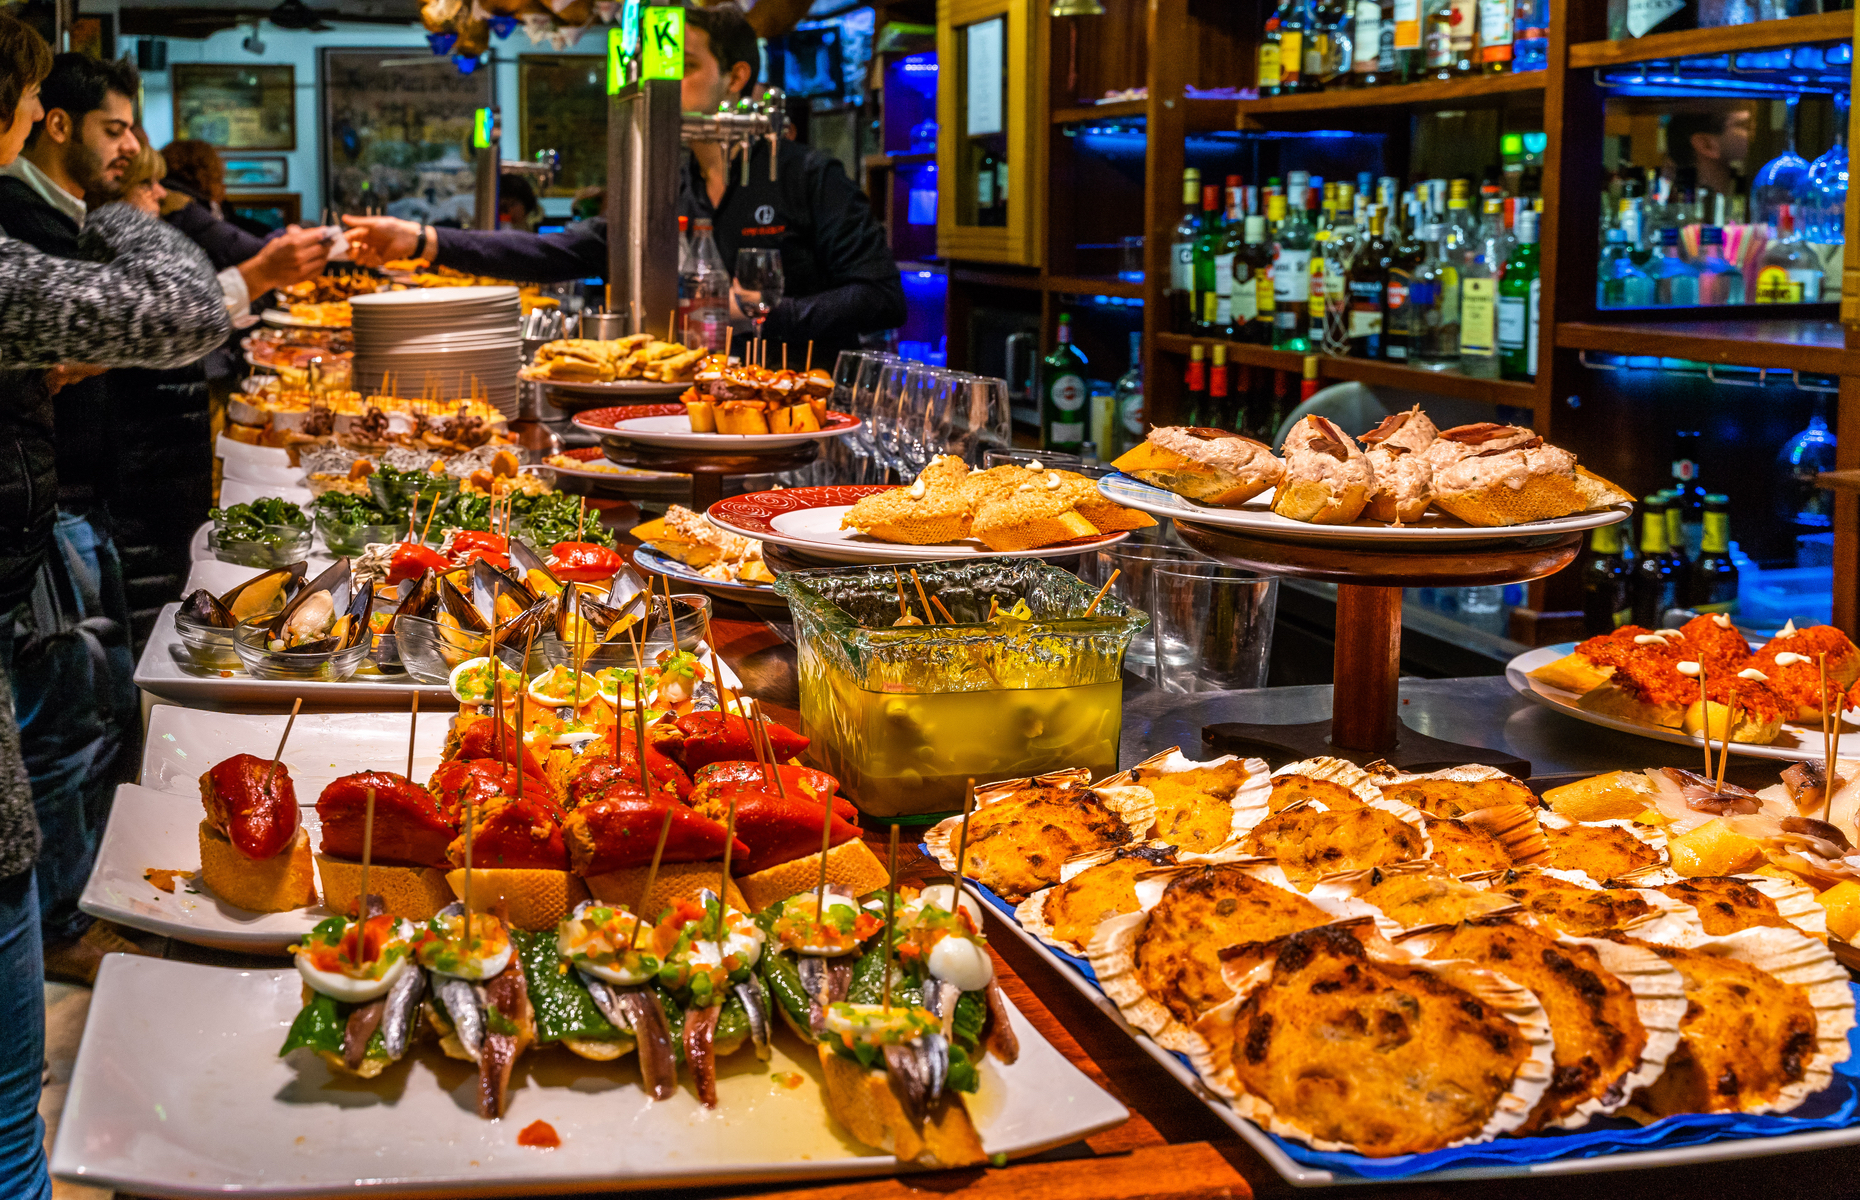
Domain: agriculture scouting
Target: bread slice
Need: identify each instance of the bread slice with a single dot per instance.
(1542, 498)
(1000, 528)
(928, 518)
(1613, 700)
(285, 881)
(416, 893)
(674, 882)
(1202, 481)
(1320, 502)
(703, 416)
(1749, 727)
(1108, 516)
(742, 417)
(862, 1100)
(529, 899)
(1573, 673)
(850, 865)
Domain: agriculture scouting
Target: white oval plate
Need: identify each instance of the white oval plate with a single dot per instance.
(674, 433)
(1256, 516)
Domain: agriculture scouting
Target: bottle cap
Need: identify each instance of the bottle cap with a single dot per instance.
(1256, 228)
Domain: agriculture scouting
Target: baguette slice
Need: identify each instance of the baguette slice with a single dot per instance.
(1573, 673)
(862, 1101)
(674, 882)
(530, 899)
(416, 893)
(850, 865)
(1542, 498)
(1212, 466)
(1613, 700)
(1749, 727)
(285, 881)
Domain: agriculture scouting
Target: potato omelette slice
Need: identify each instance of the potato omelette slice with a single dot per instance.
(1074, 909)
(1593, 1016)
(1571, 908)
(1310, 844)
(1726, 905)
(1463, 849)
(1017, 845)
(1745, 1036)
(1602, 852)
(1203, 910)
(1385, 1057)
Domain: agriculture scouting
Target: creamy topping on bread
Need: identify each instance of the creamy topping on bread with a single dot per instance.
(1512, 468)
(1402, 432)
(1486, 437)
(1316, 450)
(1216, 448)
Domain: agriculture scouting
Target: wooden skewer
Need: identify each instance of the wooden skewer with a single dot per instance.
(729, 844)
(716, 671)
(826, 844)
(471, 819)
(728, 334)
(368, 852)
(1827, 738)
(431, 512)
(755, 747)
(994, 606)
(413, 723)
(768, 743)
(639, 732)
(784, 356)
(962, 837)
(809, 365)
(671, 325)
(1095, 600)
(581, 518)
(938, 601)
(1724, 756)
(652, 873)
(931, 616)
(1705, 707)
(904, 608)
(671, 611)
(891, 900)
(272, 770)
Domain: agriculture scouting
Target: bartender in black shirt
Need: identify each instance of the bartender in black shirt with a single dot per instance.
(840, 280)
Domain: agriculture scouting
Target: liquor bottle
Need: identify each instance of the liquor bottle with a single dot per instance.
(1478, 320)
(1182, 253)
(1788, 272)
(1638, 18)
(1618, 282)
(1456, 241)
(1252, 284)
(1495, 36)
(1367, 38)
(1492, 239)
(1271, 57)
(1233, 236)
(1218, 412)
(1675, 281)
(1291, 275)
(1656, 576)
(1369, 283)
(1720, 282)
(1195, 384)
(1711, 580)
(985, 189)
(1063, 395)
(1605, 582)
(1318, 54)
(1686, 510)
(1308, 386)
(1518, 303)
(1318, 302)
(1400, 330)
(1292, 31)
(1436, 344)
(1530, 23)
(1207, 245)
(1131, 418)
(1463, 35)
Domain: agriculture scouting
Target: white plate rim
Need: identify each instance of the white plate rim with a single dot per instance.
(889, 552)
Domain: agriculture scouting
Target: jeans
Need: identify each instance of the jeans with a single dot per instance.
(22, 1004)
(72, 683)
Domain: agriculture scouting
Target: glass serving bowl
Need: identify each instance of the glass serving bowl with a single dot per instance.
(429, 651)
(262, 663)
(615, 653)
(905, 716)
(398, 495)
(210, 646)
(348, 541)
(693, 624)
(278, 546)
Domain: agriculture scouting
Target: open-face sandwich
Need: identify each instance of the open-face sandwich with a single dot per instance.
(254, 852)
(1791, 662)
(1213, 466)
(1007, 508)
(1328, 480)
(1396, 450)
(1594, 660)
(1488, 474)
(362, 992)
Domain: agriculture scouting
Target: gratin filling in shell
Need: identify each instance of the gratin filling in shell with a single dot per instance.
(1571, 908)
(1415, 898)
(1601, 852)
(1463, 849)
(1016, 847)
(1310, 844)
(1726, 905)
(1194, 809)
(1075, 908)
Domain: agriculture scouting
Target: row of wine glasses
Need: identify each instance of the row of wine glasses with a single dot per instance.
(910, 413)
(1816, 192)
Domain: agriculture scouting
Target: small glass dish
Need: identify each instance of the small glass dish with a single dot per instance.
(429, 651)
(277, 546)
(348, 541)
(210, 646)
(397, 494)
(263, 663)
(615, 652)
(693, 624)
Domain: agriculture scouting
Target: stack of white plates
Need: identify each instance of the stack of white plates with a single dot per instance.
(441, 340)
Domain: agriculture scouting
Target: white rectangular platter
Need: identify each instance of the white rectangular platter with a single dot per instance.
(179, 1091)
(182, 743)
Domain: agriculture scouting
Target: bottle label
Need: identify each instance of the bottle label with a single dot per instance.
(1685, 470)
(1775, 287)
(1465, 22)
(1439, 50)
(985, 188)
(1365, 308)
(1643, 15)
(1065, 433)
(1291, 277)
(1494, 30)
(1320, 287)
(1386, 50)
(1069, 394)
(1207, 307)
(1291, 56)
(1407, 24)
(1269, 64)
(1244, 302)
(1217, 382)
(1224, 287)
(1317, 49)
(1263, 292)
(1197, 377)
(1717, 538)
(1130, 415)
(1808, 283)
(1182, 270)
(1477, 318)
(1653, 533)
(1513, 321)
(1368, 35)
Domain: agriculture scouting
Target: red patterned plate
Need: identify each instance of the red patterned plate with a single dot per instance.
(599, 468)
(666, 426)
(808, 520)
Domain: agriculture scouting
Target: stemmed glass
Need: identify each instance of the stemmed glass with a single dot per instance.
(758, 284)
(1777, 183)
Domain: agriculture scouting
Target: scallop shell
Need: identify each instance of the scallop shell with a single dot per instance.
(1467, 773)
(1659, 992)
(1366, 786)
(1031, 912)
(1517, 830)
(1807, 963)
(1113, 954)
(1249, 800)
(1519, 1005)
(1406, 813)
(1795, 902)
(1671, 923)
(1134, 806)
(1350, 885)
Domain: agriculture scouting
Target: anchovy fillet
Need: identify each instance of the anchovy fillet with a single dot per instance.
(755, 1003)
(640, 1012)
(465, 1005)
(403, 1004)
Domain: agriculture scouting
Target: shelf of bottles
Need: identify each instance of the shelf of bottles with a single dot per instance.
(1342, 46)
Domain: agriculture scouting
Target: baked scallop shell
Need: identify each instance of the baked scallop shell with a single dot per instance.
(1249, 798)
(1131, 804)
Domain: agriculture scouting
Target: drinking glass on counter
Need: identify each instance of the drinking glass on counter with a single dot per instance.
(1221, 617)
(860, 461)
(758, 284)
(1137, 565)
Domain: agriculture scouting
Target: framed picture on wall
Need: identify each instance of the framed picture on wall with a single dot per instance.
(257, 171)
(397, 134)
(235, 106)
(94, 35)
(266, 210)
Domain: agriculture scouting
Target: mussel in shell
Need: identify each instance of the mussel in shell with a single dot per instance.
(328, 615)
(534, 573)
(528, 624)
(419, 597)
(495, 595)
(257, 596)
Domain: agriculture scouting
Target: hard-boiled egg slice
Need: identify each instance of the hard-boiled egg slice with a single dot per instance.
(470, 681)
(836, 905)
(943, 896)
(618, 976)
(346, 989)
(960, 961)
(481, 966)
(556, 687)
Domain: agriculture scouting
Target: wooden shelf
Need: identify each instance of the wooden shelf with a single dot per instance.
(1120, 110)
(1094, 285)
(1199, 115)
(1785, 343)
(1002, 278)
(1791, 31)
(1367, 370)
(1474, 91)
(892, 160)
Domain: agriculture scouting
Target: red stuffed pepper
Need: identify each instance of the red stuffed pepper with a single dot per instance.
(584, 562)
(617, 831)
(775, 829)
(711, 737)
(253, 805)
(802, 783)
(513, 835)
(411, 830)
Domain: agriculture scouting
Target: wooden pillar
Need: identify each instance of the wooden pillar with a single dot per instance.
(1367, 668)
(1167, 119)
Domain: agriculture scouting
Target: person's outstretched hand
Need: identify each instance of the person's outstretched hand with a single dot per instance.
(294, 255)
(374, 241)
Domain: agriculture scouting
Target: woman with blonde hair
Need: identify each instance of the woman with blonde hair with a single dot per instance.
(146, 296)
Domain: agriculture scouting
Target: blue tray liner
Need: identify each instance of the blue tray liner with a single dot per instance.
(1836, 1107)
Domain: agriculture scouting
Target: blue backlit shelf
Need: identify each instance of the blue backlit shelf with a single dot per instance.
(1472, 91)
(1727, 39)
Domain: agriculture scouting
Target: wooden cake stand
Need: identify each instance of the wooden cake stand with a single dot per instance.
(707, 468)
(1364, 724)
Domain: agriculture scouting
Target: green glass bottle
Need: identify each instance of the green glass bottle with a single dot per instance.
(1656, 576)
(1205, 319)
(1605, 578)
(1518, 294)
(1063, 395)
(1711, 579)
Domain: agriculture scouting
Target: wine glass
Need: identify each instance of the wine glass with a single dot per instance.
(1780, 179)
(758, 284)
